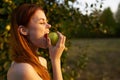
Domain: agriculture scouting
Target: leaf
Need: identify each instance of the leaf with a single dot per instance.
(91, 5)
(6, 65)
(86, 5)
(2, 11)
(101, 6)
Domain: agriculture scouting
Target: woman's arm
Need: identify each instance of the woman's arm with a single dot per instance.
(55, 55)
(57, 73)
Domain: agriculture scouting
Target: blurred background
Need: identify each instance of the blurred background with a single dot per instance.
(93, 40)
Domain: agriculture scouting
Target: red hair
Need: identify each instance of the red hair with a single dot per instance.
(23, 51)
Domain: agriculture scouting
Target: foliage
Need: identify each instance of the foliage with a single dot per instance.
(54, 12)
(4, 53)
(117, 16)
(108, 21)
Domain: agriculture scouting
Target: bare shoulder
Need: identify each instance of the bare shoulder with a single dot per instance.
(43, 61)
(22, 71)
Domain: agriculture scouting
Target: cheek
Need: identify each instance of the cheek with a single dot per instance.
(37, 38)
(35, 35)
(36, 32)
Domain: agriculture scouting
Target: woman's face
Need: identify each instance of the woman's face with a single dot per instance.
(37, 29)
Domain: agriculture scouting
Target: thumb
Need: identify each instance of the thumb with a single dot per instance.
(48, 41)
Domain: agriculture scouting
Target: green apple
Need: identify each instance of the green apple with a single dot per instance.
(53, 37)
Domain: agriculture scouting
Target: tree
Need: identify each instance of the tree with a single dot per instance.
(108, 21)
(54, 11)
(117, 16)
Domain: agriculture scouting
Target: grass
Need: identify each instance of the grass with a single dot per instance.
(102, 63)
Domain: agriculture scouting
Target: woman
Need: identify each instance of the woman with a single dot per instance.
(29, 30)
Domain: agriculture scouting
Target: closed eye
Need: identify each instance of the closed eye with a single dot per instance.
(42, 23)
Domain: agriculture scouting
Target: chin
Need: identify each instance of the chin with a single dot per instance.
(42, 43)
(45, 46)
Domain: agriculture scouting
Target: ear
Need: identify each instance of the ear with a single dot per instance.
(23, 30)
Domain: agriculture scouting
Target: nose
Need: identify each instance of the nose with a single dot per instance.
(48, 25)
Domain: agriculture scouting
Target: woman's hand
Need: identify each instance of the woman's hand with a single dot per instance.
(55, 52)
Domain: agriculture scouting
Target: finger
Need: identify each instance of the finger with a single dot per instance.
(63, 42)
(48, 41)
(60, 39)
(64, 39)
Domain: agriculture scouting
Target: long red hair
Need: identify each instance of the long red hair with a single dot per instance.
(23, 51)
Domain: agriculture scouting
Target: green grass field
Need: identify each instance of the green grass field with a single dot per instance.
(102, 62)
